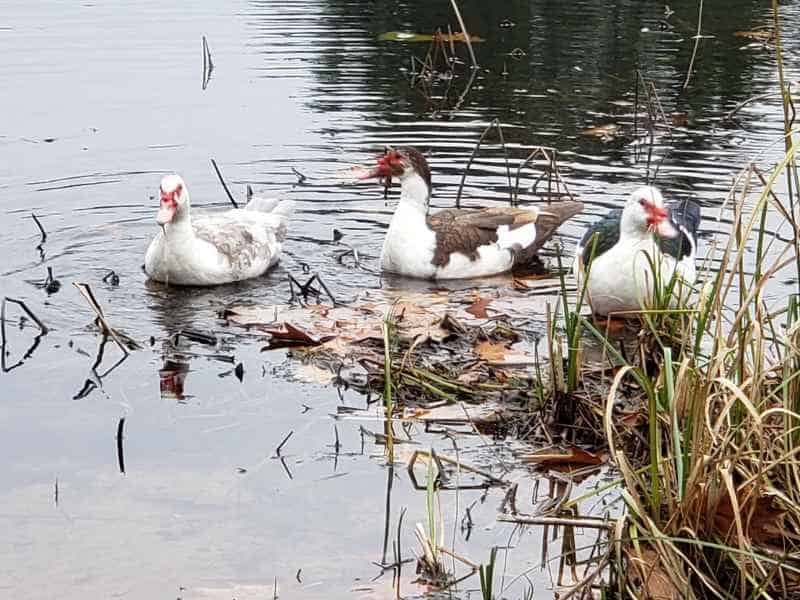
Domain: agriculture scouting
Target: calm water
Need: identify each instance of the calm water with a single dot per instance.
(101, 99)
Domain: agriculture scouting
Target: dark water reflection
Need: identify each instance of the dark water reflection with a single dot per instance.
(101, 100)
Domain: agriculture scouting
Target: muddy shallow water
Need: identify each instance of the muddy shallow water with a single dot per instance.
(101, 99)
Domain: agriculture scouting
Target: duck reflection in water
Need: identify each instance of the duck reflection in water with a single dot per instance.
(172, 377)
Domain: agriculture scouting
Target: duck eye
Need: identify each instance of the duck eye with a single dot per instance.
(642, 202)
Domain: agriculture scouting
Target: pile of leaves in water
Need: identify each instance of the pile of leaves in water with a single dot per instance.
(443, 346)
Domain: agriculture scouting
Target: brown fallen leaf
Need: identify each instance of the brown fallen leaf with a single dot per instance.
(290, 335)
(761, 517)
(656, 582)
(570, 456)
(478, 308)
(498, 353)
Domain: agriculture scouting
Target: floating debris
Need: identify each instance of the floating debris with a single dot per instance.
(405, 36)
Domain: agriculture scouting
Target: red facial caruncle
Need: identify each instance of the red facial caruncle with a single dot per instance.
(389, 164)
(655, 214)
(169, 205)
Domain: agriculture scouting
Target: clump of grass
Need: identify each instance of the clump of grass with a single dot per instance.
(430, 563)
(714, 506)
(487, 576)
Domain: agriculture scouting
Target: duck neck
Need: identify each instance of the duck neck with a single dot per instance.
(414, 191)
(630, 230)
(180, 226)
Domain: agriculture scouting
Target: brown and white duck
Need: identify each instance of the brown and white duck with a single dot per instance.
(453, 243)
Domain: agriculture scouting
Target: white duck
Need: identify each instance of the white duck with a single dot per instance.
(452, 243)
(213, 249)
(625, 243)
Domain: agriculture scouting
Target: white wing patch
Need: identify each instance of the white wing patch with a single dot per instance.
(517, 238)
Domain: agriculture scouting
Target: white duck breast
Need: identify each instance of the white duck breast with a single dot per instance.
(210, 250)
(626, 256)
(458, 244)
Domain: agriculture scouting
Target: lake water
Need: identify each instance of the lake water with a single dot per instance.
(101, 99)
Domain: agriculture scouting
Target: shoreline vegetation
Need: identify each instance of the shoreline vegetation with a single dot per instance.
(695, 409)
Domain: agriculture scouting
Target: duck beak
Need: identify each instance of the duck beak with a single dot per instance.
(659, 222)
(666, 229)
(166, 212)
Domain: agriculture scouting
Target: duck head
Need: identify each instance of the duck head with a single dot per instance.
(410, 167)
(174, 200)
(645, 213)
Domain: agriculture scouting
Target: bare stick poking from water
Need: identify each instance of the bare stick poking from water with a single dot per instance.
(41, 230)
(55, 495)
(86, 292)
(286, 439)
(208, 64)
(494, 123)
(120, 455)
(224, 185)
(696, 44)
(466, 34)
(301, 179)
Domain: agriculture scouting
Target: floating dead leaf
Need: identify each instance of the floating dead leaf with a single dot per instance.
(759, 35)
(406, 36)
(478, 308)
(289, 335)
(454, 414)
(605, 132)
(570, 456)
(679, 119)
(498, 353)
(525, 283)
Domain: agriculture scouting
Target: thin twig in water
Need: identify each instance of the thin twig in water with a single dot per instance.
(744, 103)
(300, 177)
(224, 185)
(41, 229)
(466, 34)
(42, 327)
(208, 64)
(566, 521)
(86, 292)
(696, 44)
(286, 439)
(120, 455)
(494, 123)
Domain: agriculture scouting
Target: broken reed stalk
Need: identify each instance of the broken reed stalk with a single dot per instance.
(788, 121)
(696, 44)
(86, 292)
(286, 439)
(587, 522)
(120, 455)
(494, 123)
(224, 185)
(41, 229)
(386, 326)
(42, 327)
(467, 39)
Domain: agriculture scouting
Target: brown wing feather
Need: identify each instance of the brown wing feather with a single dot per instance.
(464, 231)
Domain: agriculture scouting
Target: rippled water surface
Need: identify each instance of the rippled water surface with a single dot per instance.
(101, 99)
